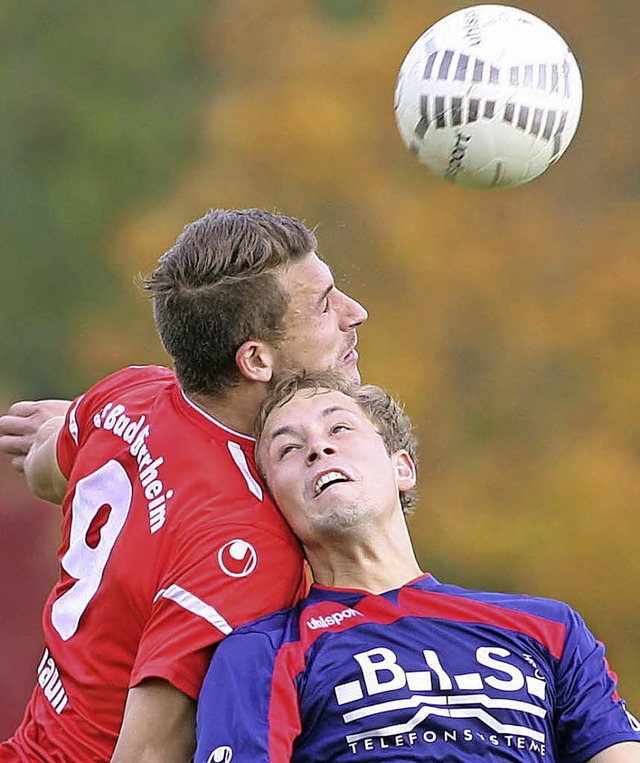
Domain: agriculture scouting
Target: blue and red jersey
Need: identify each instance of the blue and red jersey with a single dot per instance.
(425, 672)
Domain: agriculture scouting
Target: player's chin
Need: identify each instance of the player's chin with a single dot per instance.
(351, 372)
(354, 375)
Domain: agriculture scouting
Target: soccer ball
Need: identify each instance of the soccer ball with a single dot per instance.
(489, 96)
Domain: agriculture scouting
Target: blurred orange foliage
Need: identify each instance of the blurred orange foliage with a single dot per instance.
(507, 321)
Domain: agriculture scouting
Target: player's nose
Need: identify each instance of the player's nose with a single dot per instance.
(318, 449)
(352, 313)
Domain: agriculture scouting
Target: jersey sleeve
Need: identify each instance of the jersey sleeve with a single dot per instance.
(69, 436)
(220, 577)
(78, 420)
(234, 709)
(591, 714)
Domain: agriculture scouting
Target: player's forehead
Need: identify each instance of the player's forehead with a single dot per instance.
(307, 278)
(308, 406)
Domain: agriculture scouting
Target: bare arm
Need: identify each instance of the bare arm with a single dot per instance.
(158, 725)
(625, 752)
(20, 424)
(41, 469)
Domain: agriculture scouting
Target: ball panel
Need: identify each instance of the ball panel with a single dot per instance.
(489, 96)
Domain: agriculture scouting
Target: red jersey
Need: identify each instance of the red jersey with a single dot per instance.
(168, 542)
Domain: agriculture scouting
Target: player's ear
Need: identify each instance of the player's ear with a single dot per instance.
(255, 360)
(405, 469)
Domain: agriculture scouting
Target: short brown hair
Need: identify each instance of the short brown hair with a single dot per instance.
(217, 287)
(385, 413)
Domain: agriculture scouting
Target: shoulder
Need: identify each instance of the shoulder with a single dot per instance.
(552, 609)
(276, 629)
(125, 382)
(548, 621)
(134, 376)
(257, 645)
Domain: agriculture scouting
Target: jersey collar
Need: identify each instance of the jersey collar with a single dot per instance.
(203, 416)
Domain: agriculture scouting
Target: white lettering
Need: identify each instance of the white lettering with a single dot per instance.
(336, 618)
(121, 425)
(153, 490)
(131, 432)
(372, 668)
(139, 441)
(389, 741)
(433, 661)
(484, 655)
(151, 472)
(46, 673)
(113, 418)
(51, 684)
(110, 420)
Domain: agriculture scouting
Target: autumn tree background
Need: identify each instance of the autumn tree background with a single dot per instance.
(507, 321)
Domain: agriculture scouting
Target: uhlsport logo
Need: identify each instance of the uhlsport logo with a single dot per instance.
(336, 618)
(237, 558)
(222, 754)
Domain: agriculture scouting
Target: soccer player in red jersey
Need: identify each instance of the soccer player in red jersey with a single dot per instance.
(382, 662)
(169, 540)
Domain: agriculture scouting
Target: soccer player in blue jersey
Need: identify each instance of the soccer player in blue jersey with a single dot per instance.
(382, 662)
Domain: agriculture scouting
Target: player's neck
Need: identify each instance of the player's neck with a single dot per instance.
(236, 408)
(374, 561)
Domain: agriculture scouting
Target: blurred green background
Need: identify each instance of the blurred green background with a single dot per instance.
(507, 321)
